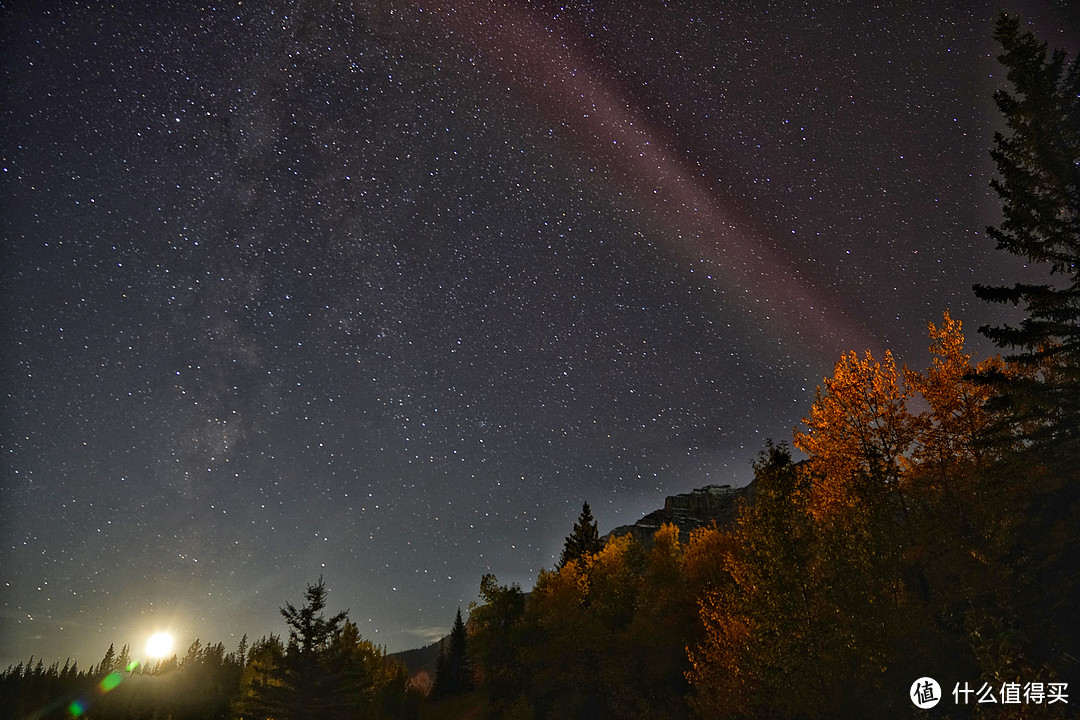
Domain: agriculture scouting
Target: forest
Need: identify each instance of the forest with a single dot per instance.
(929, 532)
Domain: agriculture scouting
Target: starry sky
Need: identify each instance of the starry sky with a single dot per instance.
(381, 291)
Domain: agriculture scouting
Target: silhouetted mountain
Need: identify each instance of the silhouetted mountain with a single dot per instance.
(425, 658)
(689, 511)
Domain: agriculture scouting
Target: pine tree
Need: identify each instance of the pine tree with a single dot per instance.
(108, 663)
(454, 672)
(314, 692)
(123, 661)
(1039, 185)
(309, 630)
(583, 541)
(241, 652)
(303, 681)
(1035, 491)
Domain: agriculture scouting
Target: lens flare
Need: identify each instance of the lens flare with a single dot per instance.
(110, 681)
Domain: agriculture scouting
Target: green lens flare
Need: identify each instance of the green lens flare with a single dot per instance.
(110, 681)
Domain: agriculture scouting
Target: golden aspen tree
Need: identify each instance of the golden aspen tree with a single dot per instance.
(859, 436)
(768, 644)
(560, 642)
(724, 684)
(857, 433)
(645, 677)
(702, 560)
(949, 436)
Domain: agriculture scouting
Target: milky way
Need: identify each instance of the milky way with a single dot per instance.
(383, 291)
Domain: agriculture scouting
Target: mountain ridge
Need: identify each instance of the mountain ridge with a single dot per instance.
(690, 511)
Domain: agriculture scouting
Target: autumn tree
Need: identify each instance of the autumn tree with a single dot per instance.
(646, 674)
(950, 433)
(771, 642)
(583, 541)
(558, 648)
(859, 437)
(573, 631)
(262, 682)
(857, 434)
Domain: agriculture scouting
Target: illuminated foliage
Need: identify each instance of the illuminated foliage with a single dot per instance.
(261, 679)
(857, 433)
(951, 432)
(767, 640)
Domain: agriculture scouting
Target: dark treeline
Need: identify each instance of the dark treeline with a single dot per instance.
(931, 531)
(323, 670)
(202, 684)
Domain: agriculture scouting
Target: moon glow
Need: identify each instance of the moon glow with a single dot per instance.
(159, 645)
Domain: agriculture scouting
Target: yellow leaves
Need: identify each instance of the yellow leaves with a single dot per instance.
(613, 555)
(843, 563)
(561, 594)
(861, 415)
(862, 438)
(666, 541)
(724, 685)
(948, 433)
(857, 432)
(705, 558)
(605, 582)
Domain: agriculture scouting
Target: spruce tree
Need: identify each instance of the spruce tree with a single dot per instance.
(108, 663)
(309, 630)
(301, 683)
(1039, 185)
(454, 671)
(583, 541)
(1030, 503)
(123, 661)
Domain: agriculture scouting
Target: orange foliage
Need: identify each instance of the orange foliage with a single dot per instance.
(703, 559)
(948, 433)
(723, 683)
(857, 433)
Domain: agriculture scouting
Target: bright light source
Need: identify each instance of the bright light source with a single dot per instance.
(159, 645)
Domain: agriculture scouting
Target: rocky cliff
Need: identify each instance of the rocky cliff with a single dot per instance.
(689, 511)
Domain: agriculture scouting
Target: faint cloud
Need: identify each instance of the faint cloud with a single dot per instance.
(428, 635)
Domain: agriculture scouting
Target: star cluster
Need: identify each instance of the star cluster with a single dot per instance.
(382, 291)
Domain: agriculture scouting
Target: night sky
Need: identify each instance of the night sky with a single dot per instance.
(382, 291)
